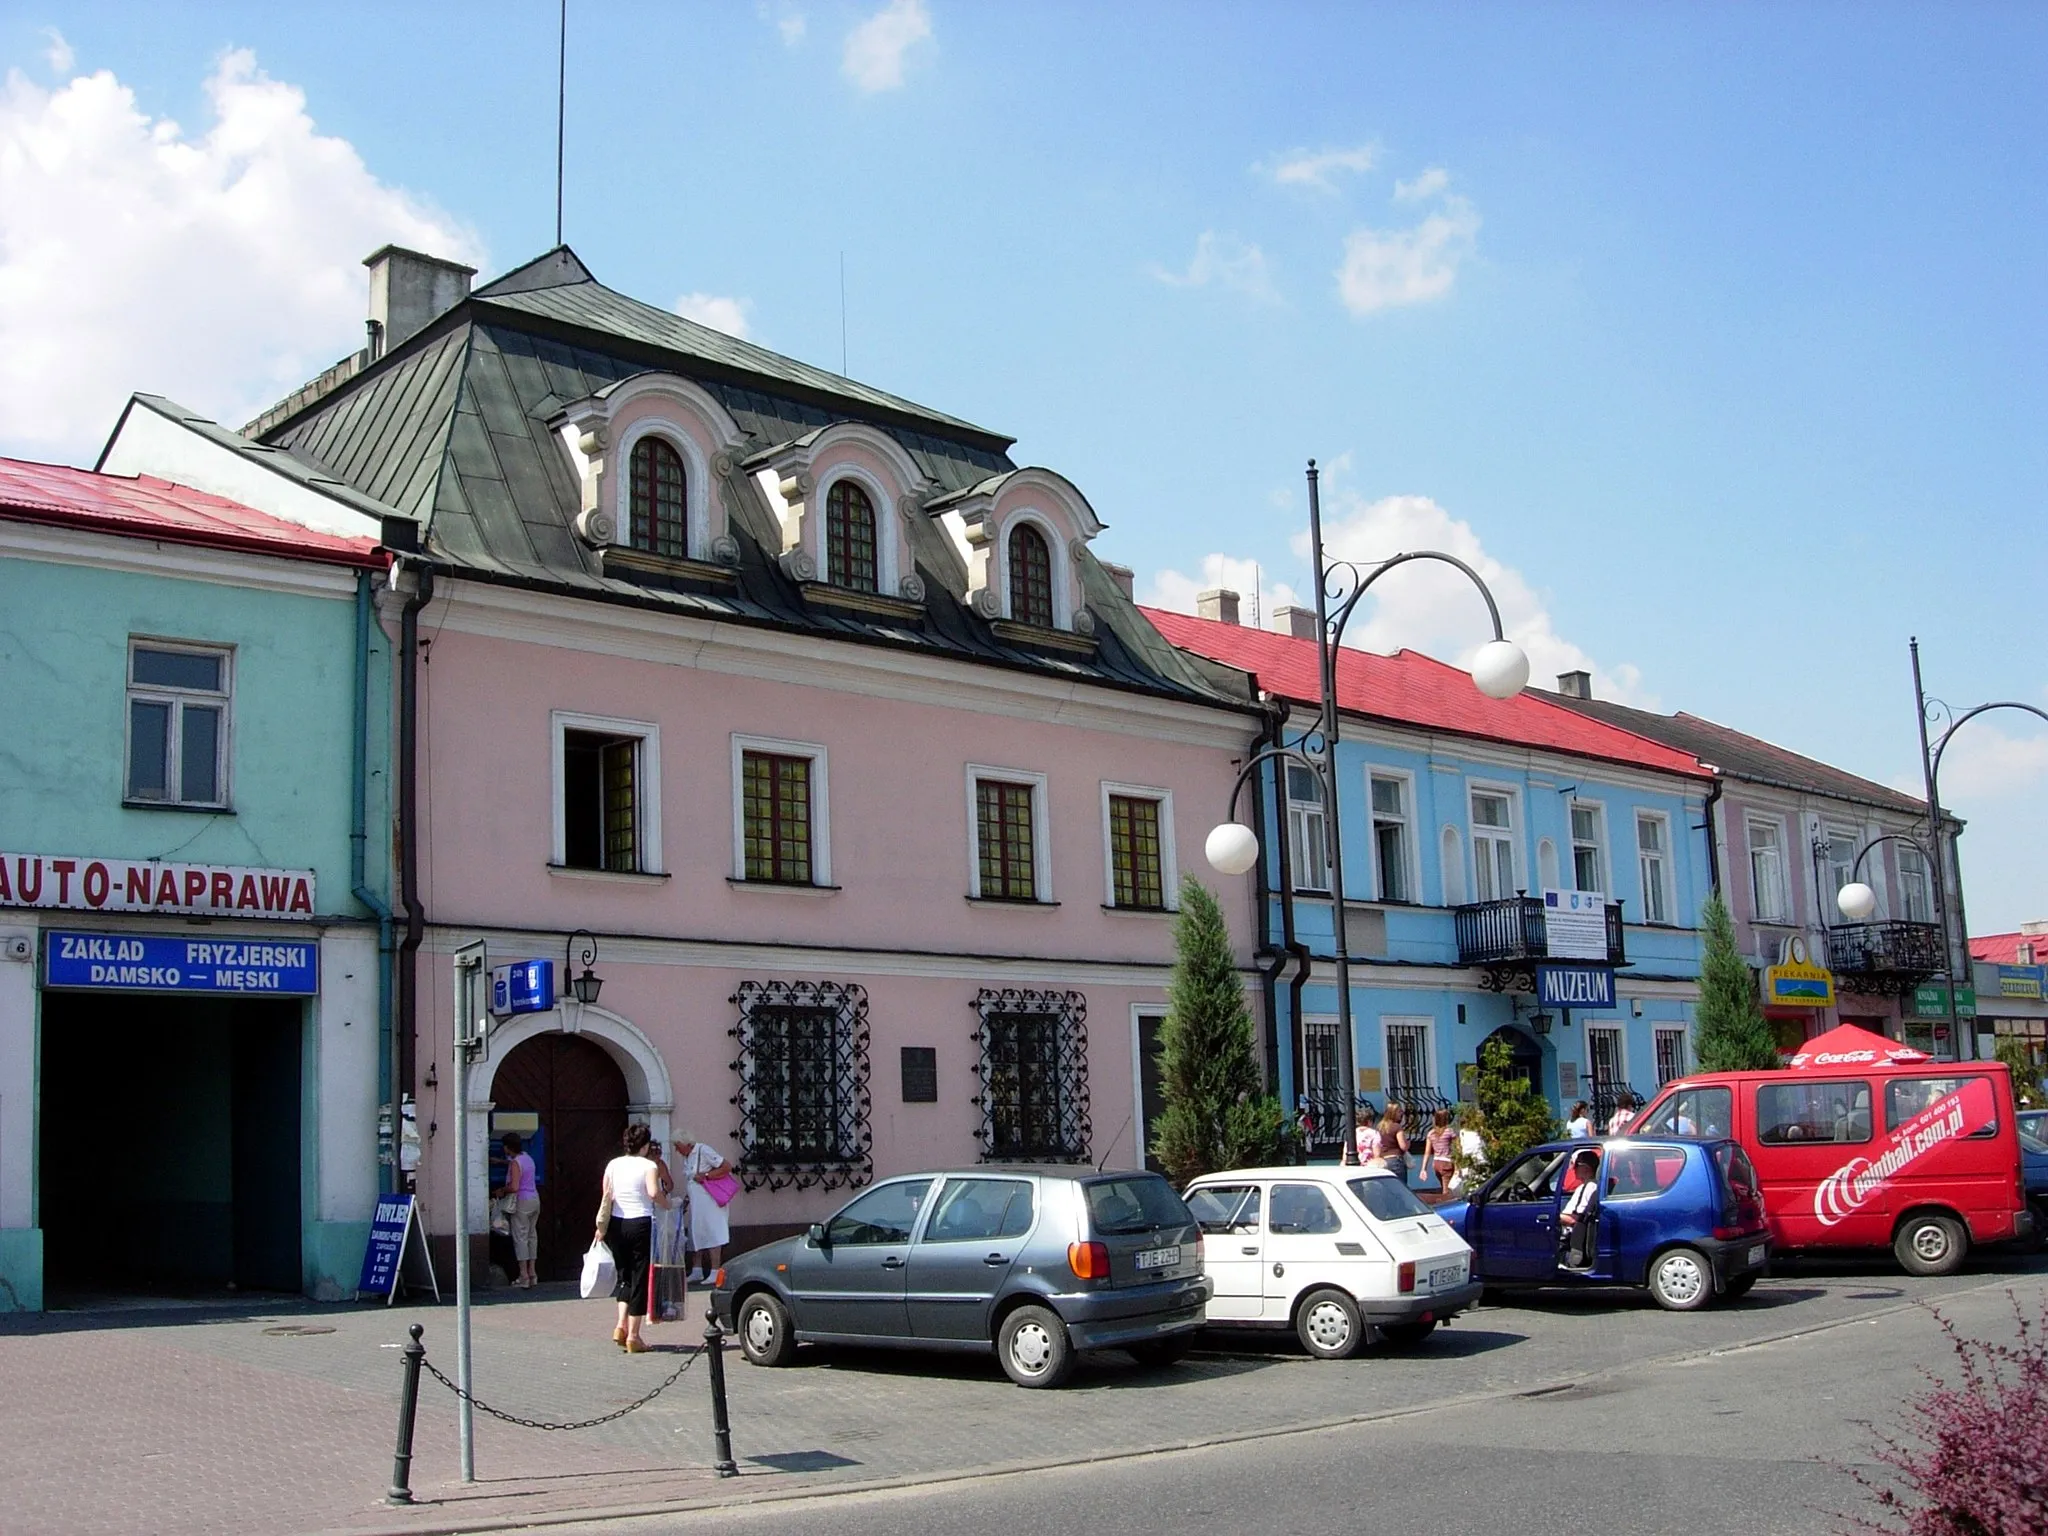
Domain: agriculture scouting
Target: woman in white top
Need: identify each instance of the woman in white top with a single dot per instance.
(709, 1229)
(632, 1192)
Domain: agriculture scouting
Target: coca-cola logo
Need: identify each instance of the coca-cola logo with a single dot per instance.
(1850, 1187)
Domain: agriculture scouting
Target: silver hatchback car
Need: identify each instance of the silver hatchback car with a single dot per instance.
(1036, 1264)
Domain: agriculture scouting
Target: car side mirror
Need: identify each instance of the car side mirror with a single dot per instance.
(816, 1235)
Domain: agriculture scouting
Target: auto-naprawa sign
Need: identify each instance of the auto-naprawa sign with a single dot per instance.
(71, 882)
(1971, 1106)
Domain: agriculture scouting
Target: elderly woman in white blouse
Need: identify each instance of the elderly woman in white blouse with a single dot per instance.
(697, 1163)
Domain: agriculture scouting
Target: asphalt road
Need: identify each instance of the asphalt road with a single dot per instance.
(1753, 1435)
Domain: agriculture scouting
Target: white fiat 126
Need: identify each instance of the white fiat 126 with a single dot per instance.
(1333, 1253)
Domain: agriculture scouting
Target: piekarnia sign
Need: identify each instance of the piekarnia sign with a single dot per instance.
(75, 884)
(131, 962)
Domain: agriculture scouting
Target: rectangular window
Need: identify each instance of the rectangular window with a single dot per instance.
(1307, 838)
(1790, 1113)
(1136, 862)
(1670, 1055)
(178, 724)
(1588, 862)
(1916, 893)
(1005, 840)
(601, 801)
(1390, 837)
(1604, 1065)
(1493, 845)
(777, 793)
(607, 794)
(1766, 872)
(1653, 855)
(1841, 864)
(1903, 1100)
(1411, 1077)
(1034, 1075)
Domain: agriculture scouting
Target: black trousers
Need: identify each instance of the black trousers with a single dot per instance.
(630, 1238)
(1575, 1243)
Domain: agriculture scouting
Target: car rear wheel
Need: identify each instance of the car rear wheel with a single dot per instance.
(1408, 1335)
(1682, 1280)
(1328, 1324)
(1034, 1348)
(1167, 1351)
(766, 1334)
(1931, 1245)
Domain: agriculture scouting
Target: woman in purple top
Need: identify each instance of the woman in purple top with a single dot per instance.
(525, 1214)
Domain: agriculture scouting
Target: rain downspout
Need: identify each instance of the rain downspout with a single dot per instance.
(1714, 789)
(358, 861)
(408, 829)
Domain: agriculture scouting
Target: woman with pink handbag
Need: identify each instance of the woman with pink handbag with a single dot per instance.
(711, 1187)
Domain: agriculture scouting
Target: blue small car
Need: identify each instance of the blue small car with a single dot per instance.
(2034, 1175)
(1682, 1216)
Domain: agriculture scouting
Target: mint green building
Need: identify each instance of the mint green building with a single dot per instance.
(194, 852)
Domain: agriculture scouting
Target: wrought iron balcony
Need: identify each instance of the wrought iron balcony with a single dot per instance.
(1884, 957)
(1513, 932)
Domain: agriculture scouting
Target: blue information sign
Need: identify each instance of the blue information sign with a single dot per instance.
(396, 1245)
(528, 987)
(1574, 986)
(133, 962)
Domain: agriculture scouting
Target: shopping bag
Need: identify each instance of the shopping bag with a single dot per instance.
(600, 1271)
(722, 1187)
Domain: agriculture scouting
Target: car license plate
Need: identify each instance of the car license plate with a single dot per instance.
(1756, 1253)
(1159, 1258)
(1449, 1275)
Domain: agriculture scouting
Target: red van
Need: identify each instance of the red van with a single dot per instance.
(1861, 1142)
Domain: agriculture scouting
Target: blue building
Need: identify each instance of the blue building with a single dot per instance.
(1511, 869)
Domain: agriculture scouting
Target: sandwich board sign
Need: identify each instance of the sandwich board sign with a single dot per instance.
(397, 1252)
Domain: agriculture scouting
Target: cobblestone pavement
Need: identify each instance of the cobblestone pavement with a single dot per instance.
(282, 1419)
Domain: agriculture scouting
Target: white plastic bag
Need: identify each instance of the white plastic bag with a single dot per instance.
(600, 1273)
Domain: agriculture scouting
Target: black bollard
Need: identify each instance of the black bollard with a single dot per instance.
(408, 1407)
(721, 1425)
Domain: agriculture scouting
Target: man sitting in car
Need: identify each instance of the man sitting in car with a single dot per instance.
(1581, 1213)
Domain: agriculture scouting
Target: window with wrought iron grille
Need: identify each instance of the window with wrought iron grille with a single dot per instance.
(1136, 856)
(1604, 1063)
(1006, 840)
(803, 1085)
(600, 801)
(777, 806)
(1411, 1076)
(1670, 1055)
(850, 537)
(658, 518)
(1307, 837)
(1033, 1070)
(1030, 562)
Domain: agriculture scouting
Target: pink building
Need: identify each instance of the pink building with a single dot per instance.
(816, 717)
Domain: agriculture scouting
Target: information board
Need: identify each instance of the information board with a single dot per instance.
(397, 1251)
(134, 962)
(1575, 923)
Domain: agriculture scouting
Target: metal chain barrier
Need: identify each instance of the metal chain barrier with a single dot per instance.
(513, 1418)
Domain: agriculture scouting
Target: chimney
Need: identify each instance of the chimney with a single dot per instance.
(1218, 603)
(1123, 577)
(2037, 926)
(1298, 622)
(408, 291)
(1575, 685)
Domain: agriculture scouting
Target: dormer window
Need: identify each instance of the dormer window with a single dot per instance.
(658, 500)
(850, 538)
(1030, 564)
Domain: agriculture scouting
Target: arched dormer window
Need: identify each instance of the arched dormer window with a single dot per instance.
(1030, 564)
(657, 500)
(850, 556)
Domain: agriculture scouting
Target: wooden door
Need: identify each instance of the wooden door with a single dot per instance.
(580, 1096)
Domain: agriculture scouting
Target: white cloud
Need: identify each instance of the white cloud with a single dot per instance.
(223, 269)
(1985, 760)
(1423, 187)
(58, 53)
(1320, 168)
(789, 22)
(1172, 590)
(1388, 268)
(1224, 261)
(876, 49)
(717, 311)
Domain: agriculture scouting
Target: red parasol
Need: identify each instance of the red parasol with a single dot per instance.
(1848, 1046)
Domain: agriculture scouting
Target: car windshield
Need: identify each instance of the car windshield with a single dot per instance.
(1388, 1199)
(1135, 1204)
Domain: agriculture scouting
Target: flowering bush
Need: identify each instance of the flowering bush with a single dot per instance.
(1977, 1460)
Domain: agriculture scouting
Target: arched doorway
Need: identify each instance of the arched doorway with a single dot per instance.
(1525, 1056)
(579, 1095)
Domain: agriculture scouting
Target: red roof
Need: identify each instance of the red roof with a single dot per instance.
(142, 506)
(1408, 688)
(2004, 948)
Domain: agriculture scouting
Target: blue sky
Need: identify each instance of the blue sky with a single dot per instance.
(1716, 334)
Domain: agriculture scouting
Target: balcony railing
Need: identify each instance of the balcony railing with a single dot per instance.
(1900, 953)
(1513, 931)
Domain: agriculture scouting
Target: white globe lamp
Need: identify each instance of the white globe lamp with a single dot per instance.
(1232, 848)
(1856, 900)
(1500, 669)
